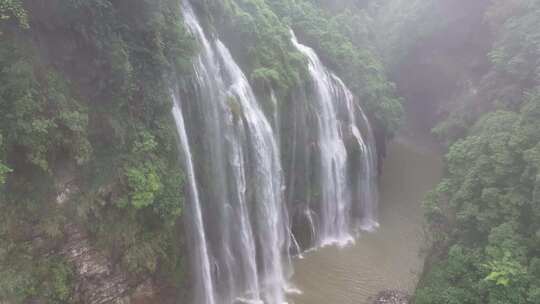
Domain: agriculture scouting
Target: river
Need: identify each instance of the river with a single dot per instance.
(393, 256)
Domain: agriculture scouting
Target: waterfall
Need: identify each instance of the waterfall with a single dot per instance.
(206, 295)
(366, 190)
(239, 233)
(241, 183)
(369, 191)
(348, 198)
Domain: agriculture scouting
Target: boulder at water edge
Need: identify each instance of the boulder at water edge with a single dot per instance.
(392, 297)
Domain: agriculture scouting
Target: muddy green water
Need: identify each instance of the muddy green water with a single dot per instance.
(393, 256)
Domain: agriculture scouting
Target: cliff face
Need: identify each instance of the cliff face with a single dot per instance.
(91, 185)
(97, 279)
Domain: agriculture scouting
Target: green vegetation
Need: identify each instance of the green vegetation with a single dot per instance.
(265, 52)
(40, 116)
(487, 210)
(343, 40)
(485, 215)
(13, 9)
(108, 131)
(48, 278)
(257, 31)
(41, 119)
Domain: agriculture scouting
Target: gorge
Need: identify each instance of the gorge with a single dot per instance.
(269, 151)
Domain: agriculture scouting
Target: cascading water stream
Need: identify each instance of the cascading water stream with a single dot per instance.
(242, 203)
(335, 200)
(369, 192)
(336, 127)
(366, 190)
(203, 259)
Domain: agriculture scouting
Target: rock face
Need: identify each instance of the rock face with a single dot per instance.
(97, 281)
(392, 297)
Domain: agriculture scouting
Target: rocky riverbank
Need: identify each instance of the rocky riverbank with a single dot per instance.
(392, 297)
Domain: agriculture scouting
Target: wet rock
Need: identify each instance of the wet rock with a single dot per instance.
(145, 293)
(97, 281)
(392, 297)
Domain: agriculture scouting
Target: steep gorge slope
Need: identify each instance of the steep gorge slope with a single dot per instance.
(484, 214)
(91, 148)
(474, 74)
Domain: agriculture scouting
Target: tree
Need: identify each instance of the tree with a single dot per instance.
(13, 9)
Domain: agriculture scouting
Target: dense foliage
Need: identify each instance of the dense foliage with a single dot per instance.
(485, 215)
(258, 32)
(514, 68)
(261, 41)
(487, 208)
(13, 9)
(107, 132)
(343, 39)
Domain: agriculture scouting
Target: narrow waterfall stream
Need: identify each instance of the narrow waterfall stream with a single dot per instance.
(201, 256)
